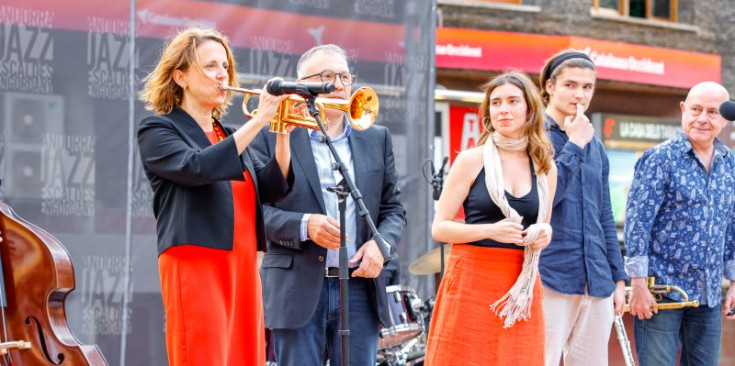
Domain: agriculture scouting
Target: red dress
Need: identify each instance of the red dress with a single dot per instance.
(213, 297)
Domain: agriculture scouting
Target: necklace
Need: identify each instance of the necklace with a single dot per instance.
(218, 130)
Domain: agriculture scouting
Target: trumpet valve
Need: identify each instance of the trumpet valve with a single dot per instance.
(277, 126)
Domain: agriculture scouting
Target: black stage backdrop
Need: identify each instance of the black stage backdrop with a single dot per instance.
(69, 71)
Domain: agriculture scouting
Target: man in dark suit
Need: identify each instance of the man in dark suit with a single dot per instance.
(299, 271)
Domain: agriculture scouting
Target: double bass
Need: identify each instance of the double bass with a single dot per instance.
(35, 278)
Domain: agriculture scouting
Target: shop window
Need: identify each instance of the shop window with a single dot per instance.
(647, 9)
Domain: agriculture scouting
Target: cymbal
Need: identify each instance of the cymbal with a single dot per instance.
(430, 262)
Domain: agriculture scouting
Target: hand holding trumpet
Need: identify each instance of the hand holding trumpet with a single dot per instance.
(644, 294)
(268, 106)
(642, 303)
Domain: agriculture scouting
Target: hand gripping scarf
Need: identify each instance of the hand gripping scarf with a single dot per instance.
(516, 303)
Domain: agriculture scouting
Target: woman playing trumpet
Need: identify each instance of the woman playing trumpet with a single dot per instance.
(207, 190)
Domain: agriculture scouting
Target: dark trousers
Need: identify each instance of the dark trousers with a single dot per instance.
(697, 330)
(319, 339)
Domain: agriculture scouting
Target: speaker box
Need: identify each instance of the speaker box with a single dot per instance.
(27, 121)
(24, 180)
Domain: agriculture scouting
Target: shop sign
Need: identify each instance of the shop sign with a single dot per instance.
(497, 51)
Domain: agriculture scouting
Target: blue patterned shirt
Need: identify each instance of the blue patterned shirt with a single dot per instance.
(679, 223)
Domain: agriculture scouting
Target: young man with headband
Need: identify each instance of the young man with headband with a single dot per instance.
(582, 269)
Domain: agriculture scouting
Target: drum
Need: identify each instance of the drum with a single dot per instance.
(405, 311)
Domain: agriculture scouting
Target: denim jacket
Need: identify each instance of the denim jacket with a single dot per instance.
(584, 255)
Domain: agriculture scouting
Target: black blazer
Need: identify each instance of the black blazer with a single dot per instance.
(190, 177)
(293, 271)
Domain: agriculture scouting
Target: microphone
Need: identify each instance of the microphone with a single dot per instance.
(305, 89)
(727, 110)
(438, 180)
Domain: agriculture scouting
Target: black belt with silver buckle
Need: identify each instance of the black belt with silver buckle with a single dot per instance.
(334, 271)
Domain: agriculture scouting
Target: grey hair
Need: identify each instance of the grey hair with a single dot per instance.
(324, 47)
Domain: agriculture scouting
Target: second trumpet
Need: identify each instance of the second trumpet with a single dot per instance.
(658, 292)
(362, 109)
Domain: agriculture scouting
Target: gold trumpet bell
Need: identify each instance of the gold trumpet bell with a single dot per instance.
(362, 109)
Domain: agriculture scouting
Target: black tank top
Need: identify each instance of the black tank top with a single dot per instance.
(480, 209)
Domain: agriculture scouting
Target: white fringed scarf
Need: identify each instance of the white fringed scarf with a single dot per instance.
(516, 303)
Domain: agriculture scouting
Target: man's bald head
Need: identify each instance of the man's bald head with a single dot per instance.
(709, 89)
(700, 113)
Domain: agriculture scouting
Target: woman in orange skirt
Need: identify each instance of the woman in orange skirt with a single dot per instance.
(207, 189)
(506, 186)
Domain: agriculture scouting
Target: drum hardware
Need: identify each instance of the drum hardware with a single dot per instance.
(401, 355)
(404, 344)
(404, 307)
(427, 309)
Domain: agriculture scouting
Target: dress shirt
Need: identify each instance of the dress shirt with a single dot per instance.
(329, 177)
(584, 254)
(679, 220)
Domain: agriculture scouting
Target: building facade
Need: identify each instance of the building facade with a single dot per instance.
(648, 54)
(703, 26)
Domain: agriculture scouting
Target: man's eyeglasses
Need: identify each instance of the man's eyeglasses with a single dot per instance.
(329, 76)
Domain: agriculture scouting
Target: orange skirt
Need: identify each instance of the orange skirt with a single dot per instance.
(464, 331)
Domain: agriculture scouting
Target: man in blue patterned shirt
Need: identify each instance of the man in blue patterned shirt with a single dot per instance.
(680, 228)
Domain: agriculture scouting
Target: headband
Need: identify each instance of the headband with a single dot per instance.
(561, 58)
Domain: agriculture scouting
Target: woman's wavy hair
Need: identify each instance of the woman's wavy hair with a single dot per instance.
(161, 93)
(539, 146)
(572, 62)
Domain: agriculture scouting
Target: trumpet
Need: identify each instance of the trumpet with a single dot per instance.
(362, 109)
(658, 292)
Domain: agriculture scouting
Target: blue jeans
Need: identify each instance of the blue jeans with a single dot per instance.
(697, 330)
(319, 339)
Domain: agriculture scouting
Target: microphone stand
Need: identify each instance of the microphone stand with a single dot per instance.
(342, 190)
(437, 183)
